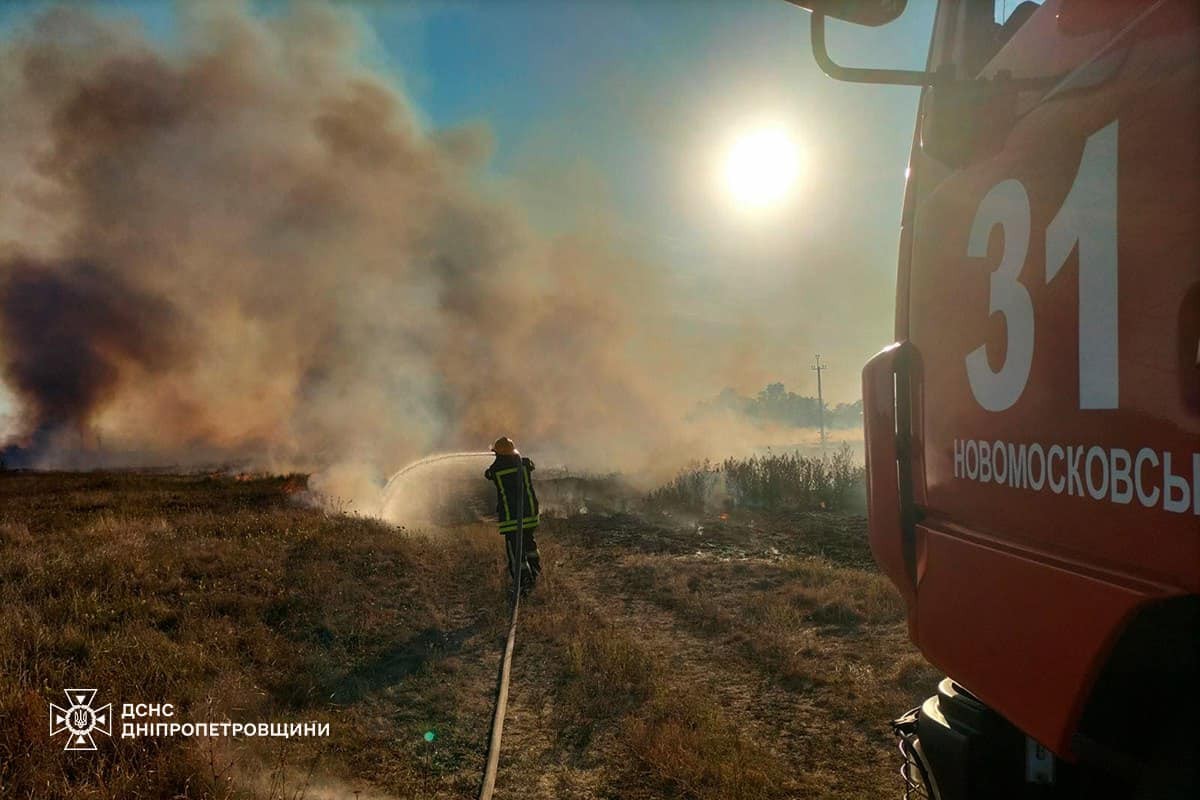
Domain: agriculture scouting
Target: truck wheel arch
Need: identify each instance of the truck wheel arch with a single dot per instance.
(1145, 690)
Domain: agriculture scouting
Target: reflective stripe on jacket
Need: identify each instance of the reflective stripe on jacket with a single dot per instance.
(511, 474)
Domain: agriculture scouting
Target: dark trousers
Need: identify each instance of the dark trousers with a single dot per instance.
(533, 562)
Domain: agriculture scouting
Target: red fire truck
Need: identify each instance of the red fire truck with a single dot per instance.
(1033, 434)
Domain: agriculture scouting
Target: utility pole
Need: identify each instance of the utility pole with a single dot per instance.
(818, 368)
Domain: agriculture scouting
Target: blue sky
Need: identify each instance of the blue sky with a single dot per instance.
(624, 109)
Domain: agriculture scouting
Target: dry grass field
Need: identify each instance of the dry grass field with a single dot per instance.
(756, 656)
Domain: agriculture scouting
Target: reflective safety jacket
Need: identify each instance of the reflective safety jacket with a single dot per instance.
(511, 474)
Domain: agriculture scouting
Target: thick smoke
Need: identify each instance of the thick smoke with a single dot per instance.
(247, 248)
(70, 331)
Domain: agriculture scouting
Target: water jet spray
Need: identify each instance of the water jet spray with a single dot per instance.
(387, 487)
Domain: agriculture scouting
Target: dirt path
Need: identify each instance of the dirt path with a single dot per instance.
(790, 723)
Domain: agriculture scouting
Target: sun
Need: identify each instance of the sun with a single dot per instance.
(761, 167)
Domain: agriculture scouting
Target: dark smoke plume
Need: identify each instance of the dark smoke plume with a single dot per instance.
(70, 332)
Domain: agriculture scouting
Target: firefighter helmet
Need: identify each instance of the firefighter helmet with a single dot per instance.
(504, 447)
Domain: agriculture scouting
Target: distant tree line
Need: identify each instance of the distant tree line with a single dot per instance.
(776, 405)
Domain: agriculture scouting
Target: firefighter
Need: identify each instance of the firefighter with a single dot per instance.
(510, 473)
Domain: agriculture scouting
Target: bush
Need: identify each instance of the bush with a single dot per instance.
(772, 481)
(693, 488)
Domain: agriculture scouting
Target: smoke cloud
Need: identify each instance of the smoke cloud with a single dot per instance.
(247, 248)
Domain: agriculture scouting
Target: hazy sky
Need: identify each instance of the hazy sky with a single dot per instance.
(630, 106)
(624, 111)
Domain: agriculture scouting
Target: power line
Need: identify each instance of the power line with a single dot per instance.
(818, 367)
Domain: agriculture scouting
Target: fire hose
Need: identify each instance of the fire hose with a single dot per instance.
(516, 548)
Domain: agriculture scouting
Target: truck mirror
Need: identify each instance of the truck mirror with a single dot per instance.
(861, 12)
(877, 12)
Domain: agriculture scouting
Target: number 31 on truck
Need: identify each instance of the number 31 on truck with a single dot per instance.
(1033, 433)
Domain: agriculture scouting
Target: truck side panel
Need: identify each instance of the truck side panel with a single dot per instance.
(1054, 315)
